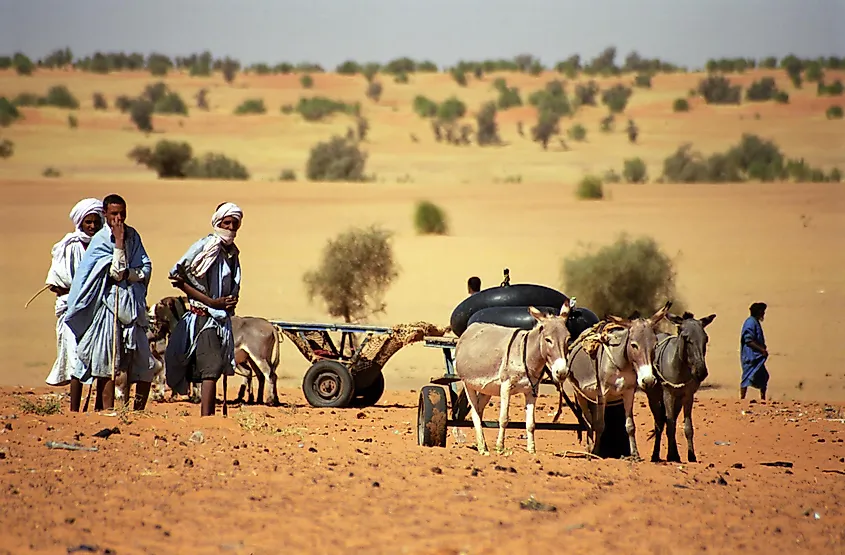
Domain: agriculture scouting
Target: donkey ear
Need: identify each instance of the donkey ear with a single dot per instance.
(564, 310)
(617, 320)
(660, 314)
(707, 320)
(538, 315)
(674, 319)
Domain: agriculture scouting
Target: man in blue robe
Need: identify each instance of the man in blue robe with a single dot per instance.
(201, 348)
(754, 353)
(108, 293)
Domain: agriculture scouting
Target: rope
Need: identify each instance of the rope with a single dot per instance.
(662, 344)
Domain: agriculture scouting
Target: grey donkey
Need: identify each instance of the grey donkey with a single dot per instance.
(621, 362)
(680, 365)
(495, 360)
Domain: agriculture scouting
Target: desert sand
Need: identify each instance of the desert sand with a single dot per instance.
(733, 244)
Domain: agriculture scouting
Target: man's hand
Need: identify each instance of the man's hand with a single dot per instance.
(227, 303)
(119, 232)
(176, 281)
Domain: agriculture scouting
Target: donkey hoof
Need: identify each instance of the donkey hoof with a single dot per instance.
(692, 458)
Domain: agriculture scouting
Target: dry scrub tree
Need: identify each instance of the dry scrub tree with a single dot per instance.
(356, 269)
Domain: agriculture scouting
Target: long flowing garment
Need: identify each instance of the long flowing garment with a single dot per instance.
(754, 372)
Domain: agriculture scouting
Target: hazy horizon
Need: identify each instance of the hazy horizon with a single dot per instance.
(684, 32)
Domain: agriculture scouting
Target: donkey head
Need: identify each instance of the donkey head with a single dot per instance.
(554, 339)
(642, 340)
(693, 342)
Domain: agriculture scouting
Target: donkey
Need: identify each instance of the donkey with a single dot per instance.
(496, 360)
(680, 367)
(256, 348)
(621, 363)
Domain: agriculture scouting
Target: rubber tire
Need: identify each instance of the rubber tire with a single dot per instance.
(521, 294)
(432, 415)
(509, 316)
(328, 369)
(370, 395)
(580, 319)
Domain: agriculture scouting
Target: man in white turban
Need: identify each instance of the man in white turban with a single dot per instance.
(87, 218)
(201, 347)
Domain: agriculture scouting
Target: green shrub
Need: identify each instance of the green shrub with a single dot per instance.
(141, 114)
(460, 77)
(577, 132)
(834, 89)
(50, 171)
(616, 98)
(487, 132)
(336, 160)
(624, 277)
(99, 100)
(585, 93)
(552, 98)
(8, 112)
(834, 112)
(430, 219)
(835, 175)
(27, 100)
(72, 121)
(7, 148)
(213, 165)
(781, 97)
(374, 90)
(170, 103)
(425, 107)
(547, 127)
(306, 81)
(23, 65)
(762, 90)
(168, 158)
(251, 106)
(717, 89)
(643, 80)
(590, 188)
(60, 97)
(635, 171)
(123, 103)
(752, 158)
(451, 109)
(319, 107)
(287, 175)
(508, 98)
(401, 78)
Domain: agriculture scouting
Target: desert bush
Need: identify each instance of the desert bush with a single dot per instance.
(611, 176)
(834, 89)
(370, 71)
(547, 127)
(835, 175)
(460, 77)
(7, 148)
(28, 99)
(635, 171)
(363, 127)
(336, 160)
(170, 103)
(451, 109)
(508, 98)
(616, 98)
(229, 68)
(762, 90)
(306, 81)
(374, 90)
(643, 80)
(168, 158)
(624, 277)
(430, 219)
(287, 175)
(251, 106)
(577, 132)
(99, 100)
(288, 109)
(141, 114)
(60, 97)
(8, 112)
(355, 270)
(319, 107)
(834, 112)
(552, 98)
(50, 171)
(590, 188)
(781, 97)
(154, 92)
(814, 73)
(349, 67)
(752, 158)
(425, 107)
(717, 89)
(72, 121)
(123, 103)
(401, 78)
(23, 65)
(585, 93)
(607, 123)
(202, 99)
(212, 165)
(488, 130)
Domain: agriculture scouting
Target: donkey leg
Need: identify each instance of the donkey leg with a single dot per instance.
(688, 431)
(598, 422)
(658, 411)
(505, 396)
(474, 404)
(673, 408)
(630, 427)
(530, 425)
(587, 413)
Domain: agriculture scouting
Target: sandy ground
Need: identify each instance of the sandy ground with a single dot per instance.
(299, 480)
(508, 207)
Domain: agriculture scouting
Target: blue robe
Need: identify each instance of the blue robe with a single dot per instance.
(91, 310)
(754, 371)
(223, 278)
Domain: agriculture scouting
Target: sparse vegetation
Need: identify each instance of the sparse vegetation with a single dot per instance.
(46, 405)
(616, 98)
(577, 132)
(635, 171)
(174, 160)
(9, 113)
(451, 109)
(430, 219)
(643, 80)
(251, 106)
(99, 101)
(50, 171)
(834, 89)
(717, 89)
(306, 81)
(7, 148)
(72, 121)
(487, 132)
(287, 175)
(355, 271)
(425, 107)
(834, 112)
(318, 107)
(626, 276)
(374, 90)
(590, 188)
(546, 128)
(336, 160)
(762, 90)
(141, 114)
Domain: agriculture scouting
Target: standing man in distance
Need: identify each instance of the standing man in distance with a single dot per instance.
(109, 291)
(754, 353)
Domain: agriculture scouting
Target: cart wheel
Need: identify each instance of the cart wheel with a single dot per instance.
(431, 417)
(328, 383)
(370, 395)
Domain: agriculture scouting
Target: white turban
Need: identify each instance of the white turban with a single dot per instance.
(209, 252)
(82, 209)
